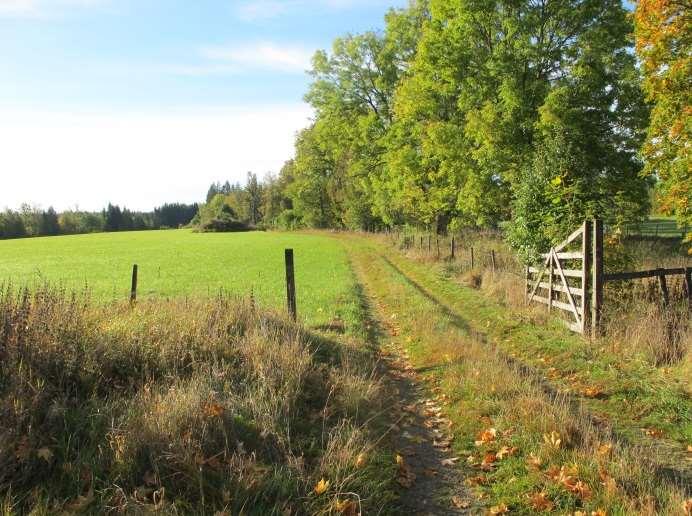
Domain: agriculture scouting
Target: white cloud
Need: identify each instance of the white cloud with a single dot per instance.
(140, 160)
(18, 7)
(35, 8)
(262, 55)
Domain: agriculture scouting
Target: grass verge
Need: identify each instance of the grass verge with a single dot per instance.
(528, 450)
(183, 407)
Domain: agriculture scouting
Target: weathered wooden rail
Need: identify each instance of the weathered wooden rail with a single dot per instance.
(661, 274)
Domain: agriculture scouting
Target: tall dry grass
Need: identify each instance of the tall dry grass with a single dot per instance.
(180, 406)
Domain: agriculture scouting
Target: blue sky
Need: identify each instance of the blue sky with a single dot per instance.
(99, 95)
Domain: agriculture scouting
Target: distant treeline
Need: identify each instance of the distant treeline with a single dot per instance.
(30, 221)
(235, 207)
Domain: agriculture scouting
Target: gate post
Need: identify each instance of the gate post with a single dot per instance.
(586, 275)
(552, 259)
(597, 280)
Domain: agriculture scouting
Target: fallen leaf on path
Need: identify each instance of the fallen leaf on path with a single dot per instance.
(553, 439)
(533, 461)
(506, 451)
(654, 432)
(429, 472)
(212, 410)
(604, 450)
(361, 460)
(478, 480)
(687, 507)
(499, 509)
(460, 503)
(347, 507)
(45, 454)
(608, 482)
(449, 462)
(540, 502)
(592, 392)
(321, 486)
(406, 477)
(486, 436)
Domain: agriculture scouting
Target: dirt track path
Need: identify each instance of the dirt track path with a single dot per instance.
(430, 480)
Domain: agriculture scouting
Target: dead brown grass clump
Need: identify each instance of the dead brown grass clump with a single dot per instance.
(191, 407)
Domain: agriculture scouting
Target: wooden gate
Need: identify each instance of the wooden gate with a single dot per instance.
(562, 282)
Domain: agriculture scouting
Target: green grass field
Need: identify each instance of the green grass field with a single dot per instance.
(658, 226)
(181, 263)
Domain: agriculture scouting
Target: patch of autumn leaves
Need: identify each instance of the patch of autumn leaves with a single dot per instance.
(563, 476)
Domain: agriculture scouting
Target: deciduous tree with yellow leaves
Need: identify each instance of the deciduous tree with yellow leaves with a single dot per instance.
(663, 31)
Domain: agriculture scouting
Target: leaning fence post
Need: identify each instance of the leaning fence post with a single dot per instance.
(597, 277)
(452, 248)
(133, 288)
(492, 259)
(290, 285)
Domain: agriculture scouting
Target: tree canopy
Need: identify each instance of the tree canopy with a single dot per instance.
(477, 112)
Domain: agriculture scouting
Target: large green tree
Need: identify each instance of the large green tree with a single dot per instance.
(475, 112)
(340, 159)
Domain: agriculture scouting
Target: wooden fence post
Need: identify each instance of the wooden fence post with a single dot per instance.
(290, 284)
(452, 248)
(597, 278)
(688, 287)
(429, 243)
(133, 288)
(472, 257)
(528, 285)
(664, 287)
(492, 259)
